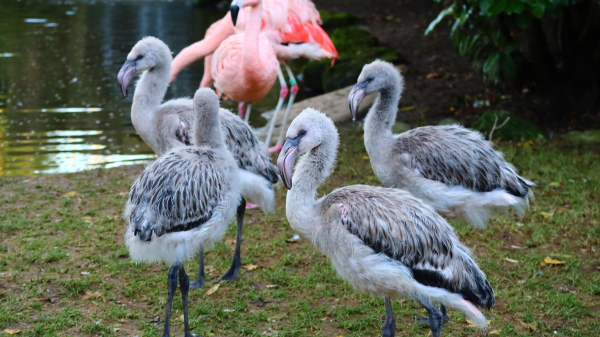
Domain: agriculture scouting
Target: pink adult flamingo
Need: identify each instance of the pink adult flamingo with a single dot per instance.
(244, 66)
(292, 22)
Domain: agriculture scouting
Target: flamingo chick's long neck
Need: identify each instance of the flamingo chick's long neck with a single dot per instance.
(382, 115)
(311, 171)
(149, 93)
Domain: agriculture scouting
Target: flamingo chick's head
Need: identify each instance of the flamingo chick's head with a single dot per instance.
(310, 130)
(149, 53)
(374, 77)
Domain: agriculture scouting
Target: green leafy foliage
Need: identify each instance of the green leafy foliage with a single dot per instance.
(481, 30)
(516, 128)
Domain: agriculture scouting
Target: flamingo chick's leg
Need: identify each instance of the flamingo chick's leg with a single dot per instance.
(293, 93)
(389, 325)
(184, 285)
(282, 94)
(247, 114)
(425, 320)
(171, 286)
(200, 280)
(233, 271)
(436, 318)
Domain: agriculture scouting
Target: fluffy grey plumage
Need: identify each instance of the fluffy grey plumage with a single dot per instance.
(164, 126)
(395, 223)
(452, 168)
(178, 192)
(185, 199)
(381, 240)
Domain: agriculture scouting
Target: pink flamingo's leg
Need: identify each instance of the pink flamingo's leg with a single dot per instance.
(242, 109)
(207, 80)
(282, 94)
(293, 93)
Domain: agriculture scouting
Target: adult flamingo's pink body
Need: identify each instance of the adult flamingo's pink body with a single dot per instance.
(244, 67)
(291, 22)
(284, 21)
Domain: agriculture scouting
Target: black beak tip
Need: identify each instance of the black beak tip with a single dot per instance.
(234, 9)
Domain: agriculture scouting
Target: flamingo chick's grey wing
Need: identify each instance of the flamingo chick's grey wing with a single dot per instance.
(394, 223)
(179, 191)
(245, 147)
(456, 156)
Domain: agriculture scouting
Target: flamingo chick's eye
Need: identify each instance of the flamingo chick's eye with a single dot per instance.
(139, 57)
(302, 133)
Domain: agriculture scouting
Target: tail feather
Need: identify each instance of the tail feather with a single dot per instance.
(514, 183)
(475, 286)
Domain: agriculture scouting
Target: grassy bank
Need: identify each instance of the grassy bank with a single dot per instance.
(65, 271)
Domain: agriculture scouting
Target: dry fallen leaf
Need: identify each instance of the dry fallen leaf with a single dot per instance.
(250, 266)
(230, 241)
(494, 332)
(366, 158)
(511, 260)
(70, 194)
(525, 143)
(87, 219)
(432, 75)
(554, 184)
(271, 285)
(527, 326)
(89, 294)
(473, 325)
(124, 194)
(407, 108)
(547, 215)
(549, 260)
(12, 332)
(213, 289)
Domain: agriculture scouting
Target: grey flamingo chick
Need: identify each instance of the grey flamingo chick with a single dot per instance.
(381, 240)
(165, 126)
(452, 168)
(184, 201)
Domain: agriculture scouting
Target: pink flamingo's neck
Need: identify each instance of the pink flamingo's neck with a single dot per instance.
(251, 54)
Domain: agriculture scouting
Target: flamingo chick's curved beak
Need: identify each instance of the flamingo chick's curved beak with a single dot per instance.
(287, 158)
(125, 75)
(355, 97)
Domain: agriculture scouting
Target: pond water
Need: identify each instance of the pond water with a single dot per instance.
(60, 105)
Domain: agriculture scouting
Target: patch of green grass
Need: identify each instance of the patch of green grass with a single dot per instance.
(44, 260)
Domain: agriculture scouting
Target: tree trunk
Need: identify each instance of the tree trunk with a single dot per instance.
(541, 58)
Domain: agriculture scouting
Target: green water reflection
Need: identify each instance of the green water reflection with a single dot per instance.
(60, 106)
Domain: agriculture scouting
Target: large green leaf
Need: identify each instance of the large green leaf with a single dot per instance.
(514, 6)
(491, 62)
(524, 19)
(537, 10)
(439, 18)
(492, 7)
